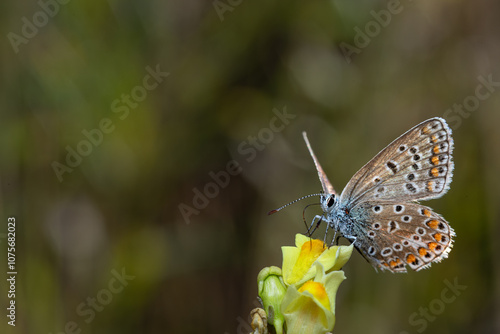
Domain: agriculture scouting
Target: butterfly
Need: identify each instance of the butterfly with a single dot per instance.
(378, 210)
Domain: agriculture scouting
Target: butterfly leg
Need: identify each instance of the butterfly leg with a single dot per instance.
(320, 219)
(335, 239)
(326, 233)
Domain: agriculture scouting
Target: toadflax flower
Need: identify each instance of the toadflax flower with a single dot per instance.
(298, 261)
(302, 293)
(311, 308)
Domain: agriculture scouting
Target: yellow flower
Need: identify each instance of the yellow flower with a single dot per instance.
(311, 308)
(298, 261)
(318, 291)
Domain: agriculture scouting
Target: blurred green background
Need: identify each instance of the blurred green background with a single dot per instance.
(82, 70)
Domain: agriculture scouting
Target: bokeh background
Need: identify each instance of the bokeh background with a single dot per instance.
(233, 66)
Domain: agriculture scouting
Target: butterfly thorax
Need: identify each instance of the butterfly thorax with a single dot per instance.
(339, 217)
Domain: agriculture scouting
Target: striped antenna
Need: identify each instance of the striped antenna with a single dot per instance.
(292, 202)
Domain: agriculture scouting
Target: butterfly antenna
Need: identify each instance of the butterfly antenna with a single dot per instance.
(292, 202)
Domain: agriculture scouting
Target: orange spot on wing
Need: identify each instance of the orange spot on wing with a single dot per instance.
(422, 251)
(435, 149)
(432, 245)
(433, 224)
(435, 172)
(435, 160)
(393, 263)
(434, 138)
(427, 213)
(430, 185)
(425, 130)
(410, 258)
(438, 236)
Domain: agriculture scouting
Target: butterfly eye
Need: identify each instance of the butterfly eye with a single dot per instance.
(331, 201)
